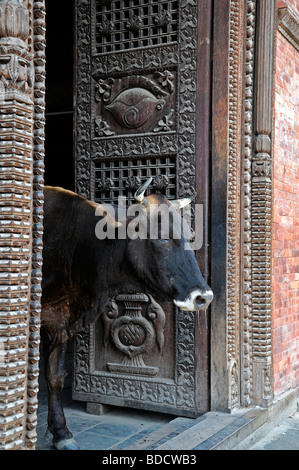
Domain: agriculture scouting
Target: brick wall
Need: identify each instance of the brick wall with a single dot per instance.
(286, 217)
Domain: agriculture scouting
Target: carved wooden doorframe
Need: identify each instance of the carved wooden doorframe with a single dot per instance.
(135, 52)
(241, 240)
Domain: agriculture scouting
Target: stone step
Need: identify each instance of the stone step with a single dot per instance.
(218, 431)
(164, 433)
(211, 431)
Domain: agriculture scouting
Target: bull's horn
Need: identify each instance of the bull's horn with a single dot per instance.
(139, 195)
(180, 203)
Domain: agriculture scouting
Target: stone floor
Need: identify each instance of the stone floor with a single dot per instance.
(129, 429)
(285, 436)
(114, 430)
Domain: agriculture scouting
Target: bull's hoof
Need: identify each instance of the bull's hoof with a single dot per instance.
(66, 444)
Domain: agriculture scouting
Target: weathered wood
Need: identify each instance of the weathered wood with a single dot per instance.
(203, 175)
(39, 62)
(220, 149)
(149, 55)
(19, 285)
(262, 168)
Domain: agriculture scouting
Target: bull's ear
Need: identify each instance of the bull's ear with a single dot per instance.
(139, 195)
(180, 203)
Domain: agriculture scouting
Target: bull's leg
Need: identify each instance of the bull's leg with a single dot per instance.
(54, 358)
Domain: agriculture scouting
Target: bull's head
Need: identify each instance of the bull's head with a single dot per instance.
(177, 203)
(164, 264)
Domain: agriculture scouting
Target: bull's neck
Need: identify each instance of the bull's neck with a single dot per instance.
(115, 274)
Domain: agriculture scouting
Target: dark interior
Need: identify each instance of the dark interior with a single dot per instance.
(59, 156)
(59, 161)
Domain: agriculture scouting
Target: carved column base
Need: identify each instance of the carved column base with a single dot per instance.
(262, 382)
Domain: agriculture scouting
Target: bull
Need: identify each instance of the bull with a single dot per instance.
(82, 273)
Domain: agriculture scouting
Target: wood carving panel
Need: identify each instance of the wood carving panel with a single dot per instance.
(135, 118)
(121, 25)
(135, 104)
(114, 178)
(133, 333)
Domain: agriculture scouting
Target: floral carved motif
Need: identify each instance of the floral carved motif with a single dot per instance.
(162, 18)
(134, 23)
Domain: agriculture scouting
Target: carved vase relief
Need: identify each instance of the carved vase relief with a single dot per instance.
(133, 334)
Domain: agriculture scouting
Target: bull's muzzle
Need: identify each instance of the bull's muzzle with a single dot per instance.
(197, 300)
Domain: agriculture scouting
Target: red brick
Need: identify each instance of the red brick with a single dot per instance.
(286, 217)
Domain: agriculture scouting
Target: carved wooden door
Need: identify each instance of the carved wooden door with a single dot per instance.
(136, 107)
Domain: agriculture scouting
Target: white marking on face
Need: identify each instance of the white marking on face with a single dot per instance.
(197, 300)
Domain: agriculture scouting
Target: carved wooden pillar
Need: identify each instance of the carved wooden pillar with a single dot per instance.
(246, 235)
(262, 168)
(110, 142)
(20, 221)
(39, 62)
(241, 321)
